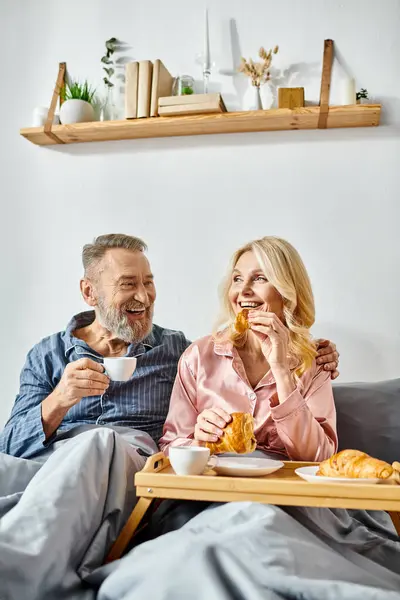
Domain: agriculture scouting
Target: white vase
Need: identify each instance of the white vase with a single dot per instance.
(252, 98)
(76, 111)
(267, 96)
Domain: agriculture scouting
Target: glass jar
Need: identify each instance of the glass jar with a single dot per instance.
(183, 86)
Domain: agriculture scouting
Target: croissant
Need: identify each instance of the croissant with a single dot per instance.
(241, 322)
(238, 436)
(357, 464)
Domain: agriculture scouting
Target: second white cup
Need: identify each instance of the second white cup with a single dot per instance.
(189, 460)
(120, 368)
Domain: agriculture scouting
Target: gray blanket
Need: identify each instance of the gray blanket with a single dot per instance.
(59, 516)
(247, 551)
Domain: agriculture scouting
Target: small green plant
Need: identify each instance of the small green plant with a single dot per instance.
(79, 91)
(111, 47)
(186, 91)
(363, 93)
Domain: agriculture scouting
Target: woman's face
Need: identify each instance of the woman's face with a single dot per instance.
(251, 289)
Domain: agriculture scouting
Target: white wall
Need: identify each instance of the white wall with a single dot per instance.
(334, 194)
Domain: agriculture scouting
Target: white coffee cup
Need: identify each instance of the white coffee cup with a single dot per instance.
(120, 368)
(189, 460)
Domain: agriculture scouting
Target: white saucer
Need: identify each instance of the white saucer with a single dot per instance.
(245, 467)
(310, 474)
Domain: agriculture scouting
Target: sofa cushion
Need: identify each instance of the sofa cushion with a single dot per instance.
(368, 417)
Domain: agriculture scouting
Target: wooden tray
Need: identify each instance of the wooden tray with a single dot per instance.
(158, 480)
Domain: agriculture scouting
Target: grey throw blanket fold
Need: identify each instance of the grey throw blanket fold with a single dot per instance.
(248, 551)
(60, 518)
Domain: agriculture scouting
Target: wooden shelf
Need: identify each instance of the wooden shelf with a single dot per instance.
(358, 115)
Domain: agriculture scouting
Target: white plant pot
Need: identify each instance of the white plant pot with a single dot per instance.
(76, 111)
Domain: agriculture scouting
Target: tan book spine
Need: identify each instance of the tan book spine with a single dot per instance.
(131, 89)
(154, 89)
(144, 88)
(190, 109)
(161, 86)
(190, 99)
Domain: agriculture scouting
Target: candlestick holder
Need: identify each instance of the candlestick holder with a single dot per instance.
(206, 69)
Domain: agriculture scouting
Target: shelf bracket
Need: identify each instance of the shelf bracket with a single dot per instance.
(325, 84)
(57, 93)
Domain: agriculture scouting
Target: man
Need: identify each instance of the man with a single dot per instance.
(59, 519)
(63, 383)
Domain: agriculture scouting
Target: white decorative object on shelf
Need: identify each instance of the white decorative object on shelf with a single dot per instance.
(76, 111)
(348, 89)
(252, 98)
(206, 56)
(40, 117)
(267, 97)
(258, 97)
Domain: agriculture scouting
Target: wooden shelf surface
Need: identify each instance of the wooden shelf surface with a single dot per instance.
(281, 119)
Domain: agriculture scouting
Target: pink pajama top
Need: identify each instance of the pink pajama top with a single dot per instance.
(211, 374)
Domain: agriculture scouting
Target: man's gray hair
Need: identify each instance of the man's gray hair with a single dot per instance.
(93, 253)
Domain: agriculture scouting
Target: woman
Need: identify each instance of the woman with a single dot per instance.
(270, 371)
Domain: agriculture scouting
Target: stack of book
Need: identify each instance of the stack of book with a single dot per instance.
(145, 83)
(195, 104)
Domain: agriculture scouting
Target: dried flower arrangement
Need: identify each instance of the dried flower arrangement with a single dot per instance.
(258, 71)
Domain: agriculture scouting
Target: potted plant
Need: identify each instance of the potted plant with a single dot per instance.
(361, 95)
(77, 106)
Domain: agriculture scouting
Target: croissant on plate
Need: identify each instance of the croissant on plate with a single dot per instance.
(359, 465)
(238, 436)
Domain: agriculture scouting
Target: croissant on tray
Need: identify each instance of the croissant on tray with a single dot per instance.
(238, 436)
(359, 465)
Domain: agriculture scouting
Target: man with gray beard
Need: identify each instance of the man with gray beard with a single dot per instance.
(85, 435)
(63, 383)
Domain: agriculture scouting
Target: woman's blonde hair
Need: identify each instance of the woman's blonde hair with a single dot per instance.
(284, 269)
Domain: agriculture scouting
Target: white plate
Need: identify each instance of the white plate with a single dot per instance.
(245, 467)
(310, 474)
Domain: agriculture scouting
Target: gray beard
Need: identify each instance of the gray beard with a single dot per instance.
(115, 321)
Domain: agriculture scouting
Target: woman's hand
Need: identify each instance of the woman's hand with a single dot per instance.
(210, 424)
(274, 337)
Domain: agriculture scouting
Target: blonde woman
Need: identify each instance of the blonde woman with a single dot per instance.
(269, 371)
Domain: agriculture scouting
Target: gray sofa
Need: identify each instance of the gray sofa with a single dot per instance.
(368, 417)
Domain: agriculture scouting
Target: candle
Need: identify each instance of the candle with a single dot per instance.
(207, 59)
(349, 91)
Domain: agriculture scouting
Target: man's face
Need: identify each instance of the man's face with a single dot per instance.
(125, 294)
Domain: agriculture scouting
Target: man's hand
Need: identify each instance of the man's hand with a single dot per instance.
(328, 356)
(80, 379)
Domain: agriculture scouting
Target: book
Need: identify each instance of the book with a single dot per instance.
(144, 88)
(195, 104)
(131, 89)
(161, 85)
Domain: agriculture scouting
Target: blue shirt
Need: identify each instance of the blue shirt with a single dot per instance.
(142, 402)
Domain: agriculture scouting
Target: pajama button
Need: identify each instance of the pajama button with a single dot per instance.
(252, 395)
